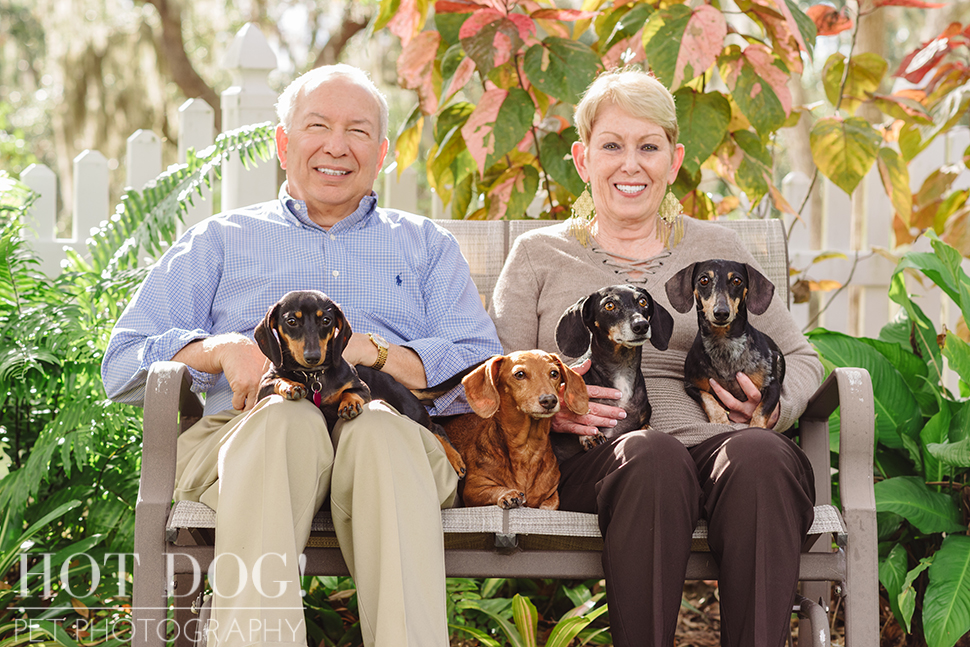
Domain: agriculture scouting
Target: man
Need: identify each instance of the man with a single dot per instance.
(266, 467)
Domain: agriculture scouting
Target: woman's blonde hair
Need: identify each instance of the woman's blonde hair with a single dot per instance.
(633, 90)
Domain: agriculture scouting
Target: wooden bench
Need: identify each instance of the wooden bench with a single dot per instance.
(491, 542)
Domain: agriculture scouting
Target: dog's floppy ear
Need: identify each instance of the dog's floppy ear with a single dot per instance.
(680, 289)
(572, 335)
(266, 338)
(575, 395)
(760, 291)
(661, 325)
(481, 387)
(340, 337)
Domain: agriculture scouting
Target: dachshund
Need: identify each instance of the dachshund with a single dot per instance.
(304, 335)
(506, 443)
(725, 291)
(610, 326)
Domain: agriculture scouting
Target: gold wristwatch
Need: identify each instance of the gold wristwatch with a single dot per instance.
(382, 346)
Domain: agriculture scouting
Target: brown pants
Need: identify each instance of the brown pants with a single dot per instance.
(756, 490)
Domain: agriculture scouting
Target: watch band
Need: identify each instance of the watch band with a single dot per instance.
(381, 351)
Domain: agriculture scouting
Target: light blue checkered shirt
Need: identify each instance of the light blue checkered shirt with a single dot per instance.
(392, 273)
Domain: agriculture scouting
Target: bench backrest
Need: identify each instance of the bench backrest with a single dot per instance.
(486, 243)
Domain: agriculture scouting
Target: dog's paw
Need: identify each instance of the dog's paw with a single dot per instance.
(350, 406)
(511, 499)
(290, 390)
(589, 442)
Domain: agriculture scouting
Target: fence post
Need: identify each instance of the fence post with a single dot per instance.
(40, 228)
(90, 206)
(250, 100)
(196, 130)
(143, 161)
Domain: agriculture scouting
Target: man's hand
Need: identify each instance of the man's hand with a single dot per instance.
(600, 415)
(237, 356)
(742, 411)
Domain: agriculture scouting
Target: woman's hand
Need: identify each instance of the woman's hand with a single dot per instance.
(742, 411)
(600, 415)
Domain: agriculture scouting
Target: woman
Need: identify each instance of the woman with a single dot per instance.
(753, 486)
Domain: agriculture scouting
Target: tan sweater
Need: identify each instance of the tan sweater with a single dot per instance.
(547, 271)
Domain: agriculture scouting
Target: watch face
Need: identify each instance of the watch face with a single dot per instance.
(380, 341)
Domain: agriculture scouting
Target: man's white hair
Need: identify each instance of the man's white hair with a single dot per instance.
(309, 81)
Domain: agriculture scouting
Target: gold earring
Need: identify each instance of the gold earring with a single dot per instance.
(583, 211)
(671, 220)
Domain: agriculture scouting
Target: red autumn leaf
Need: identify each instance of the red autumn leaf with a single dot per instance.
(793, 25)
(456, 6)
(788, 44)
(703, 40)
(415, 67)
(478, 131)
(566, 15)
(919, 4)
(762, 60)
(527, 26)
(828, 20)
(915, 66)
(407, 21)
(477, 21)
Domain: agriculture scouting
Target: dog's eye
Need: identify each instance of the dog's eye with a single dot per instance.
(642, 302)
(704, 280)
(609, 306)
(736, 281)
(554, 374)
(291, 321)
(519, 375)
(326, 321)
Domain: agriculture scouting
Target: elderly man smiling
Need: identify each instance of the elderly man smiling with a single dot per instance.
(266, 467)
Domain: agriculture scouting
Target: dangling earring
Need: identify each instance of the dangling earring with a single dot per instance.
(583, 212)
(671, 220)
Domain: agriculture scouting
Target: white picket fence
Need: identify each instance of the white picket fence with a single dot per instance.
(860, 310)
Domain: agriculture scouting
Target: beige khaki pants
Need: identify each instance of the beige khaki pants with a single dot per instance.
(268, 471)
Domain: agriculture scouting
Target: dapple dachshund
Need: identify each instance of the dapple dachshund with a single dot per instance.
(304, 335)
(725, 291)
(610, 326)
(505, 444)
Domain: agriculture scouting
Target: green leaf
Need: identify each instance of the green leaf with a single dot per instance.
(930, 512)
(936, 431)
(758, 82)
(479, 635)
(922, 330)
(703, 118)
(892, 572)
(907, 596)
(956, 454)
(865, 74)
(526, 619)
(561, 68)
(662, 38)
(894, 174)
(897, 412)
(946, 603)
(499, 122)
(512, 193)
(554, 150)
(490, 39)
(957, 353)
(622, 23)
(844, 150)
(944, 267)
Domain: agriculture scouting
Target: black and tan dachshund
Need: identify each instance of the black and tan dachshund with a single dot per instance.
(726, 343)
(610, 326)
(304, 335)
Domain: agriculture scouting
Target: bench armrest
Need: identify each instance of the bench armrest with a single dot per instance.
(170, 408)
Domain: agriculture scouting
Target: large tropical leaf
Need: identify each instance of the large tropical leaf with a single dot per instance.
(892, 572)
(897, 411)
(703, 118)
(561, 67)
(929, 511)
(922, 331)
(946, 604)
(499, 122)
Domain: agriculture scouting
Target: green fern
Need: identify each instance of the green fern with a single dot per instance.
(145, 221)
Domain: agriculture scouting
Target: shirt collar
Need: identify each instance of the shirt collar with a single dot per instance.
(294, 209)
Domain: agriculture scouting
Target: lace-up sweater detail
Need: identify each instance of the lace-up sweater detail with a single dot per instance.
(634, 270)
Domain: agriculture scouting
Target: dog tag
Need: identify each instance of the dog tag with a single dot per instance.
(316, 387)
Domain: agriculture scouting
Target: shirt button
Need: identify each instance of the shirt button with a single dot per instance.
(332, 237)
(336, 273)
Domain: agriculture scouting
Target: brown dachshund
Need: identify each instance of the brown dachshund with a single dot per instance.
(304, 335)
(505, 444)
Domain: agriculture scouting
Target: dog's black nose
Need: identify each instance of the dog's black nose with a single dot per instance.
(548, 401)
(721, 314)
(640, 326)
(311, 354)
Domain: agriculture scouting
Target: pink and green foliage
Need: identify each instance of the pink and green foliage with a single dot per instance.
(498, 81)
